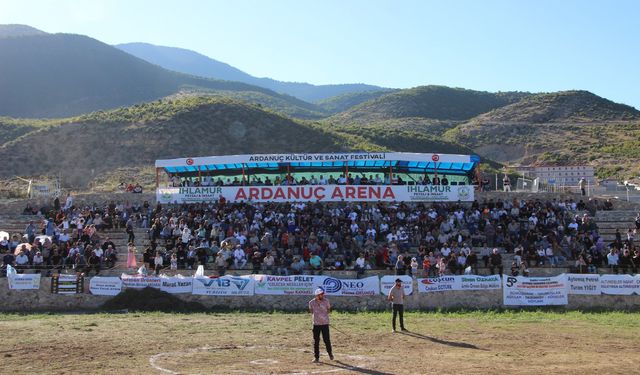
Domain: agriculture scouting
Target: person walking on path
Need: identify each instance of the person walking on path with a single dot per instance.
(319, 307)
(396, 297)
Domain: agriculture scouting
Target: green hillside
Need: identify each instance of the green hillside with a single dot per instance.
(135, 136)
(432, 102)
(61, 75)
(564, 128)
(343, 102)
(563, 106)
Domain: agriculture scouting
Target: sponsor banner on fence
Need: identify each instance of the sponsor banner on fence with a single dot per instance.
(387, 282)
(321, 193)
(620, 284)
(175, 285)
(438, 284)
(67, 284)
(223, 286)
(140, 281)
(287, 285)
(583, 283)
(368, 286)
(475, 282)
(534, 291)
(105, 286)
(459, 282)
(24, 281)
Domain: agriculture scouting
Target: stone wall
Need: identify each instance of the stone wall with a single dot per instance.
(43, 300)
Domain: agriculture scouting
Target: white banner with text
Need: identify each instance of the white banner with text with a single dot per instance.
(105, 286)
(286, 285)
(585, 284)
(387, 282)
(223, 286)
(535, 291)
(312, 158)
(140, 281)
(317, 193)
(624, 285)
(176, 285)
(24, 281)
(459, 282)
(368, 286)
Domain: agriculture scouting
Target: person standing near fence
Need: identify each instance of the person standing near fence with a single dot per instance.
(506, 183)
(583, 186)
(319, 307)
(396, 297)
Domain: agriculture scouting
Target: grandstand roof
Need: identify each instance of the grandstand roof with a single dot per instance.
(363, 161)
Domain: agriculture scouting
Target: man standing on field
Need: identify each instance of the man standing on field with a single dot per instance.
(396, 297)
(319, 307)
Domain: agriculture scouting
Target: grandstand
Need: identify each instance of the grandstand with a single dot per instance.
(395, 176)
(606, 221)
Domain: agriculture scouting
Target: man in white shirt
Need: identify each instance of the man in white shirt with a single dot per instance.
(445, 250)
(22, 261)
(68, 203)
(392, 237)
(99, 253)
(371, 232)
(354, 228)
(239, 258)
(384, 228)
(360, 266)
(64, 237)
(612, 260)
(466, 249)
(242, 239)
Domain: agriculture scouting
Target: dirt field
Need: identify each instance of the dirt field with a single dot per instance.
(251, 343)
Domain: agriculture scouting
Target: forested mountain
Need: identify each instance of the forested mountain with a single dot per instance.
(191, 62)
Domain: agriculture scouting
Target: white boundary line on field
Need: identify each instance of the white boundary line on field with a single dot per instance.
(265, 361)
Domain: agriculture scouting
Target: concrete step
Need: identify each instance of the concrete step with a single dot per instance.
(615, 224)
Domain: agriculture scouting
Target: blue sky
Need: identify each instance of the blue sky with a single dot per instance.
(493, 45)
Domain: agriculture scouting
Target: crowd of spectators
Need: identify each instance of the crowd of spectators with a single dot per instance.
(72, 237)
(428, 239)
(130, 188)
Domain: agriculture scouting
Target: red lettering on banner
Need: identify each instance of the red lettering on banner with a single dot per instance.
(267, 193)
(240, 195)
(337, 193)
(254, 193)
(350, 192)
(388, 193)
(374, 192)
(279, 194)
(362, 192)
(319, 193)
(293, 193)
(309, 192)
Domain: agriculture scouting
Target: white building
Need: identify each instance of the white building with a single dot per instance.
(560, 175)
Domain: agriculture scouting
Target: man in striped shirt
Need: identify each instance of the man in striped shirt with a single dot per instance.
(319, 307)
